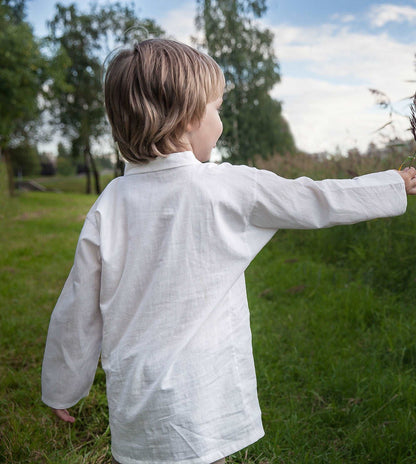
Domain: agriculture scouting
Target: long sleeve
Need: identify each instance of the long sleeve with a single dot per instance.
(306, 204)
(303, 203)
(75, 332)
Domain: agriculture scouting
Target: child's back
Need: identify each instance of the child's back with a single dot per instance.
(158, 290)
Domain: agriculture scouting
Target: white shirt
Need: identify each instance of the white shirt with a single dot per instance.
(157, 288)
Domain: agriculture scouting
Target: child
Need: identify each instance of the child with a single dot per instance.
(157, 286)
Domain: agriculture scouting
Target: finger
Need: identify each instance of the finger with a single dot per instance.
(412, 187)
(64, 415)
(409, 170)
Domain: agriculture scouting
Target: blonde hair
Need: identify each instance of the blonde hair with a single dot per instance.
(153, 92)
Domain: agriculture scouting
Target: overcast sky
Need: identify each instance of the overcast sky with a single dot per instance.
(330, 51)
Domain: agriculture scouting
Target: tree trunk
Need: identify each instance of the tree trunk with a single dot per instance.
(9, 169)
(87, 171)
(94, 169)
(119, 166)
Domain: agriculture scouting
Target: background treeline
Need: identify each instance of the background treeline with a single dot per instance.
(53, 85)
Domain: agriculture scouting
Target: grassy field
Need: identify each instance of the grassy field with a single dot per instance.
(333, 330)
(70, 184)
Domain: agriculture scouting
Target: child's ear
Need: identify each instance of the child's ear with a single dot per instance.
(192, 125)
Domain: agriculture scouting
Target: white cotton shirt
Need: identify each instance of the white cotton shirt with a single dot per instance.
(157, 288)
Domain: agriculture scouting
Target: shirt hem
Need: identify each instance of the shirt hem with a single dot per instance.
(208, 459)
(56, 405)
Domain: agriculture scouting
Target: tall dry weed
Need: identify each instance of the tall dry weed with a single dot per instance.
(335, 166)
(409, 161)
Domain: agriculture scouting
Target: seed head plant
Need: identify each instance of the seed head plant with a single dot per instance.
(408, 162)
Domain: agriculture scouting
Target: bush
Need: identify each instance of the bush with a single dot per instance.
(25, 160)
(64, 166)
(378, 252)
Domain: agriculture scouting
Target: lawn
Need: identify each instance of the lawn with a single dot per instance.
(71, 184)
(333, 331)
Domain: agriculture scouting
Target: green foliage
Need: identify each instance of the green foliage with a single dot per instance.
(3, 186)
(379, 252)
(65, 163)
(76, 37)
(79, 42)
(253, 123)
(21, 66)
(105, 162)
(25, 159)
(17, 9)
(21, 76)
(65, 166)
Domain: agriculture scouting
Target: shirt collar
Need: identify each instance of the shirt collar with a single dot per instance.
(173, 160)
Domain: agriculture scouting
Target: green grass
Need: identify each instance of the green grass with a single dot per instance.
(39, 234)
(333, 330)
(335, 361)
(71, 184)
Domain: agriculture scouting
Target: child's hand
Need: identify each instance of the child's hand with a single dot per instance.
(63, 414)
(409, 178)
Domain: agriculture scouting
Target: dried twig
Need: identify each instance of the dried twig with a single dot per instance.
(410, 159)
(382, 100)
(413, 117)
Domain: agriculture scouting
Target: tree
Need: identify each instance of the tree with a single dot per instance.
(253, 123)
(82, 40)
(22, 72)
(25, 159)
(17, 9)
(65, 164)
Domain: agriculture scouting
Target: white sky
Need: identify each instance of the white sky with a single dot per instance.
(330, 53)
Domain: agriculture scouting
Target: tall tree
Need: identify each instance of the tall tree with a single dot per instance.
(253, 123)
(17, 9)
(82, 39)
(21, 75)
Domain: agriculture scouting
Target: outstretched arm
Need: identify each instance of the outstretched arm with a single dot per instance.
(307, 204)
